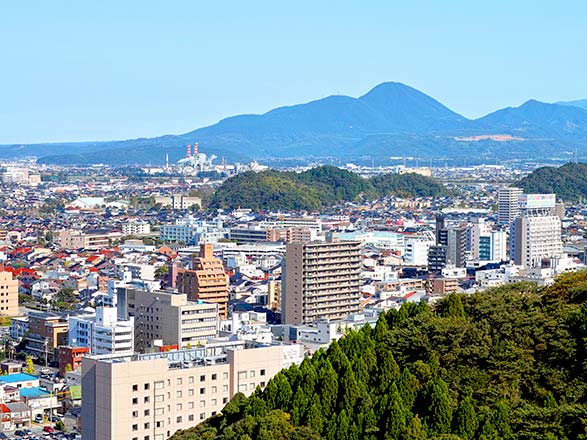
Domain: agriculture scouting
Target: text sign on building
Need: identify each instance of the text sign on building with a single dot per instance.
(536, 201)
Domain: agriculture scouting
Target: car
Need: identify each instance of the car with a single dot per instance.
(20, 432)
(39, 418)
(48, 429)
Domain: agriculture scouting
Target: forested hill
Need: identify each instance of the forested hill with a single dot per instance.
(316, 188)
(507, 364)
(569, 181)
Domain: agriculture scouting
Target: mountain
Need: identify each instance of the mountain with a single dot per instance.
(535, 119)
(581, 103)
(510, 364)
(392, 119)
(568, 182)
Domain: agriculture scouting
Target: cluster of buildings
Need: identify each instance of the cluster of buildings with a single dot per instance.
(125, 288)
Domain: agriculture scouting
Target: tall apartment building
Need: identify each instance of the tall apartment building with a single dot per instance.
(507, 204)
(207, 281)
(103, 333)
(536, 233)
(8, 294)
(450, 247)
(152, 396)
(167, 317)
(320, 281)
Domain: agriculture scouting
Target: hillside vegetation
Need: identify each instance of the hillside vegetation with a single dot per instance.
(569, 181)
(507, 364)
(316, 188)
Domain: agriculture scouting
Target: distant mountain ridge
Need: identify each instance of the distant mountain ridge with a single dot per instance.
(392, 119)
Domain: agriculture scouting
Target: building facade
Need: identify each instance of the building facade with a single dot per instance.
(8, 294)
(507, 204)
(152, 396)
(207, 281)
(168, 317)
(321, 280)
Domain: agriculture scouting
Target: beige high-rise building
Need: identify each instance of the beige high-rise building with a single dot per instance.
(320, 281)
(152, 396)
(207, 281)
(169, 317)
(8, 294)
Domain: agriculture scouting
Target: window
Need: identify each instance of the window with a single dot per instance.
(178, 407)
(146, 399)
(190, 392)
(191, 418)
(146, 426)
(146, 437)
(135, 400)
(202, 378)
(135, 414)
(159, 385)
(225, 388)
(252, 387)
(178, 381)
(147, 386)
(262, 372)
(159, 398)
(214, 402)
(159, 424)
(147, 412)
(214, 390)
(242, 374)
(178, 419)
(225, 400)
(159, 411)
(242, 388)
(252, 373)
(225, 376)
(202, 404)
(214, 376)
(135, 427)
(135, 387)
(191, 379)
(178, 394)
(202, 390)
(202, 416)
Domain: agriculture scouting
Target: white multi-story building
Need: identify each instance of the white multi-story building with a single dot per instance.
(535, 235)
(416, 250)
(136, 228)
(193, 232)
(507, 204)
(103, 333)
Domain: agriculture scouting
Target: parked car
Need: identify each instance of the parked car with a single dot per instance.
(39, 418)
(48, 429)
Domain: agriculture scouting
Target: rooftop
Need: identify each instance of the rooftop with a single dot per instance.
(17, 377)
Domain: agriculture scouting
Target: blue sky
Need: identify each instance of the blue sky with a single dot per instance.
(88, 70)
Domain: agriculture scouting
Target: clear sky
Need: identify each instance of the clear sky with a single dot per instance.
(99, 70)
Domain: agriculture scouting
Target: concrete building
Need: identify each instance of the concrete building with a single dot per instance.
(47, 331)
(136, 228)
(152, 396)
(168, 317)
(321, 280)
(207, 281)
(192, 232)
(76, 239)
(8, 294)
(416, 250)
(102, 333)
(535, 235)
(507, 204)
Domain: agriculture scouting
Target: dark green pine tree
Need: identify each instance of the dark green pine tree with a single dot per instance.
(314, 417)
(395, 424)
(408, 387)
(328, 386)
(452, 306)
(440, 410)
(465, 421)
(501, 419)
(387, 370)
